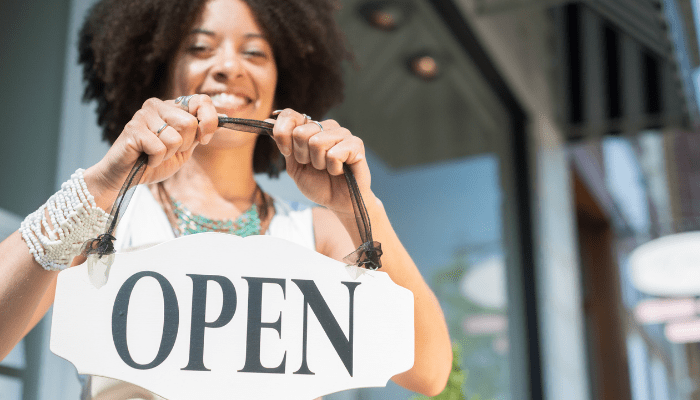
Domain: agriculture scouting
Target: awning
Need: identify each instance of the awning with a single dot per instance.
(627, 67)
(627, 63)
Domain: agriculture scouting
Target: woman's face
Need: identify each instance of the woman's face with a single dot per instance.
(226, 56)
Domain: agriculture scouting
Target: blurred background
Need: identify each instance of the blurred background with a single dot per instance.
(540, 159)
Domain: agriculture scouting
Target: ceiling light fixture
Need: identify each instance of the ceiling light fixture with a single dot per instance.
(424, 66)
(384, 15)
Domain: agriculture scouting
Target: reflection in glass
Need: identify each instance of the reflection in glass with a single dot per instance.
(449, 217)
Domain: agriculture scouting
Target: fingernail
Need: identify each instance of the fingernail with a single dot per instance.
(277, 112)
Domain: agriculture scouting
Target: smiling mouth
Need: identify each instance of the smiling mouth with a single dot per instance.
(230, 102)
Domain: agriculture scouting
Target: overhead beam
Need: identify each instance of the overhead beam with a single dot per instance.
(491, 7)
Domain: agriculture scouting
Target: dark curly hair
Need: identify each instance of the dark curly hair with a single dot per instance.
(126, 48)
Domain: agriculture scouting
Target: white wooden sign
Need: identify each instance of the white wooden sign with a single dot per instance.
(217, 316)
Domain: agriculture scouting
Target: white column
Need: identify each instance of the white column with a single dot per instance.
(558, 277)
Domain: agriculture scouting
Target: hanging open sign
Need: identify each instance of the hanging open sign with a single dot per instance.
(212, 315)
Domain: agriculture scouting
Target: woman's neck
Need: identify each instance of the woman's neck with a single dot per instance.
(212, 175)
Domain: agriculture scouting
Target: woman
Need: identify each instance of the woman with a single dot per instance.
(242, 59)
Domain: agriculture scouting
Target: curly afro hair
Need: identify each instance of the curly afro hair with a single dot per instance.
(126, 48)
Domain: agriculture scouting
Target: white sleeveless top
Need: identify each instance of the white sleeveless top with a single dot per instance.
(145, 224)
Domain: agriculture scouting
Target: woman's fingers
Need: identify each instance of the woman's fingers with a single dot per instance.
(321, 142)
(296, 133)
(147, 141)
(286, 122)
(326, 149)
(350, 150)
(185, 127)
(203, 109)
(300, 141)
(194, 121)
(168, 136)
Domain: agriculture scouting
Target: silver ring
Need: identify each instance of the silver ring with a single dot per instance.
(185, 101)
(319, 124)
(306, 118)
(161, 128)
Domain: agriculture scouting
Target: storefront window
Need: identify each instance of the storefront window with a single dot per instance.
(638, 181)
(448, 215)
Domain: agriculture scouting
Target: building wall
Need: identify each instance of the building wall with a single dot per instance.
(522, 44)
(32, 44)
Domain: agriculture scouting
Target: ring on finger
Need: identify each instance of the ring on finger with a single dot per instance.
(319, 124)
(165, 125)
(306, 119)
(185, 101)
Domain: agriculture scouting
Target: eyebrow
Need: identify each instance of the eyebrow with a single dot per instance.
(204, 31)
(211, 33)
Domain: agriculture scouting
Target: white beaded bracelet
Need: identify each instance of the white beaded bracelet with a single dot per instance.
(55, 233)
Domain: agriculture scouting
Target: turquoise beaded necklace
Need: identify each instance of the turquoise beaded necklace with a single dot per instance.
(188, 223)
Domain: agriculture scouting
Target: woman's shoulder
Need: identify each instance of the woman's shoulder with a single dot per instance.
(332, 239)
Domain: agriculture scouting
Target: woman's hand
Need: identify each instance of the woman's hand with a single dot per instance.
(315, 159)
(167, 150)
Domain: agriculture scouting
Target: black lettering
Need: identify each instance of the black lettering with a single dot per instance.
(252, 354)
(171, 320)
(199, 307)
(342, 344)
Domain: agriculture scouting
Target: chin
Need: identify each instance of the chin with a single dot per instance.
(248, 111)
(226, 138)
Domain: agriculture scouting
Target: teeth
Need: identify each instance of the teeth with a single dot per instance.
(225, 100)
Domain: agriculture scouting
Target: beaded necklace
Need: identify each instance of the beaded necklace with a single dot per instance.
(188, 223)
(185, 222)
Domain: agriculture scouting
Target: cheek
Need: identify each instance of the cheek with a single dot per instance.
(185, 79)
(271, 83)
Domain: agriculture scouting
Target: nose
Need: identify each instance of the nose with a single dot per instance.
(227, 65)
